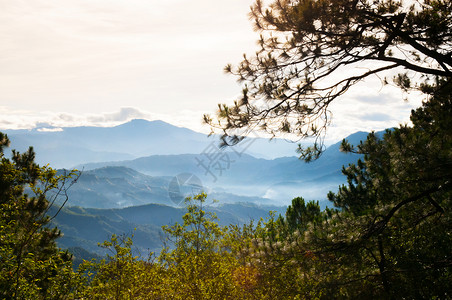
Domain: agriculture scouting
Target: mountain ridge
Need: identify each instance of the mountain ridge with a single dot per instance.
(70, 146)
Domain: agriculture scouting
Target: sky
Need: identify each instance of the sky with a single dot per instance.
(105, 62)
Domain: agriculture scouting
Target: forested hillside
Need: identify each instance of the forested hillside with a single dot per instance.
(86, 227)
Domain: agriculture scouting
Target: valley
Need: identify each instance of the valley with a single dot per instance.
(132, 178)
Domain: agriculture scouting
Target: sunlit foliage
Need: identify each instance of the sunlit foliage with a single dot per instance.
(31, 265)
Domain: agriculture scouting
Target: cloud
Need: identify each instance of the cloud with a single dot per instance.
(378, 98)
(370, 109)
(22, 119)
(376, 116)
(51, 121)
(50, 129)
(125, 114)
(87, 55)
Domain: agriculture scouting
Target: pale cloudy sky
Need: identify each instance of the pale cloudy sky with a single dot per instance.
(104, 62)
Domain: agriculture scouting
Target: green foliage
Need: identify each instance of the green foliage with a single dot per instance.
(199, 265)
(391, 234)
(198, 234)
(121, 275)
(202, 260)
(31, 265)
(312, 51)
(299, 214)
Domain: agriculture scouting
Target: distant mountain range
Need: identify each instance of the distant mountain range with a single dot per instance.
(135, 176)
(118, 187)
(154, 152)
(70, 146)
(258, 180)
